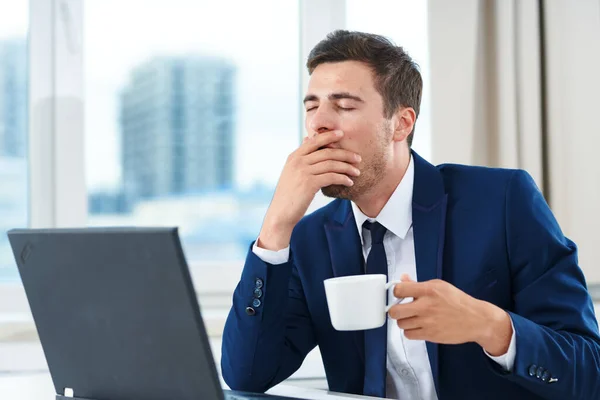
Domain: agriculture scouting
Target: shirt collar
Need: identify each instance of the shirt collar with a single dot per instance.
(396, 215)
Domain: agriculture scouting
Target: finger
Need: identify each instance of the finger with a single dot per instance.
(320, 140)
(331, 178)
(411, 289)
(410, 323)
(403, 311)
(334, 166)
(332, 154)
(406, 278)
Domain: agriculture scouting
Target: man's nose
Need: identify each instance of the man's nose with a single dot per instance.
(322, 121)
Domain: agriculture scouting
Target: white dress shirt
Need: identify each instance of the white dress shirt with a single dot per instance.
(409, 374)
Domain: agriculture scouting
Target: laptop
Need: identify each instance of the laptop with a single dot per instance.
(117, 314)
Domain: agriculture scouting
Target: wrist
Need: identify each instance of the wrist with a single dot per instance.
(274, 235)
(495, 329)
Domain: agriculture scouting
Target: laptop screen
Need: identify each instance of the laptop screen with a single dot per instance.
(116, 312)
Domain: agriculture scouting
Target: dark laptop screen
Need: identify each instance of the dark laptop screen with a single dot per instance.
(116, 313)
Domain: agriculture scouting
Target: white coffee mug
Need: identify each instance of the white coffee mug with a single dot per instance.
(357, 302)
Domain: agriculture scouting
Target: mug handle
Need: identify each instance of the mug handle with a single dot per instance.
(388, 286)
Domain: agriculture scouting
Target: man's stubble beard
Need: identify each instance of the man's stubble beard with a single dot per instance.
(371, 173)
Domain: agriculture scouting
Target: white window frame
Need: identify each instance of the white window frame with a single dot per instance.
(57, 191)
(57, 183)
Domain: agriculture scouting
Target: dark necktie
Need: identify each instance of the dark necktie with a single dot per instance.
(376, 339)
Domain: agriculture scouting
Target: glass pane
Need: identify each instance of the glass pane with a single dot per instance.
(13, 128)
(405, 23)
(191, 110)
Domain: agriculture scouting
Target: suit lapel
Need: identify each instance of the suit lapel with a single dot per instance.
(345, 250)
(429, 223)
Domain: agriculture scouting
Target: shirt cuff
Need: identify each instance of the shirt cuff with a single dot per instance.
(270, 256)
(507, 361)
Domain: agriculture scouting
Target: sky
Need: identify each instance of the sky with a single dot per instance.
(260, 37)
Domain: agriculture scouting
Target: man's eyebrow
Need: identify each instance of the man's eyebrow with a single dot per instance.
(334, 96)
(310, 97)
(344, 95)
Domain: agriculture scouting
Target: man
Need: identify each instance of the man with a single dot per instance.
(500, 307)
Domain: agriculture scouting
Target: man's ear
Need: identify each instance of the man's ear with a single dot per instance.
(404, 122)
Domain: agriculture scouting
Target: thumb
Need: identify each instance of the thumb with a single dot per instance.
(406, 278)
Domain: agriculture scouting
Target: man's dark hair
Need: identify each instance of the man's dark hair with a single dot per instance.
(397, 76)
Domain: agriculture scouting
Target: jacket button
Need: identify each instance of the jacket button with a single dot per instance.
(250, 311)
(258, 283)
(532, 370)
(540, 371)
(257, 293)
(546, 376)
(256, 303)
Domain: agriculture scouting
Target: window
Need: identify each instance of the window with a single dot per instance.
(190, 109)
(13, 129)
(190, 112)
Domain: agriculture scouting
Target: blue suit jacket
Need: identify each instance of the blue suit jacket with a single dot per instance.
(488, 232)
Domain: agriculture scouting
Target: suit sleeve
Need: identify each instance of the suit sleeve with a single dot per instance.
(557, 340)
(262, 348)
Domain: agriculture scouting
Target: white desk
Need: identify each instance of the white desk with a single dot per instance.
(313, 394)
(38, 386)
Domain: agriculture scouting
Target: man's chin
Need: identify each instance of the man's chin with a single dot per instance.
(337, 192)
